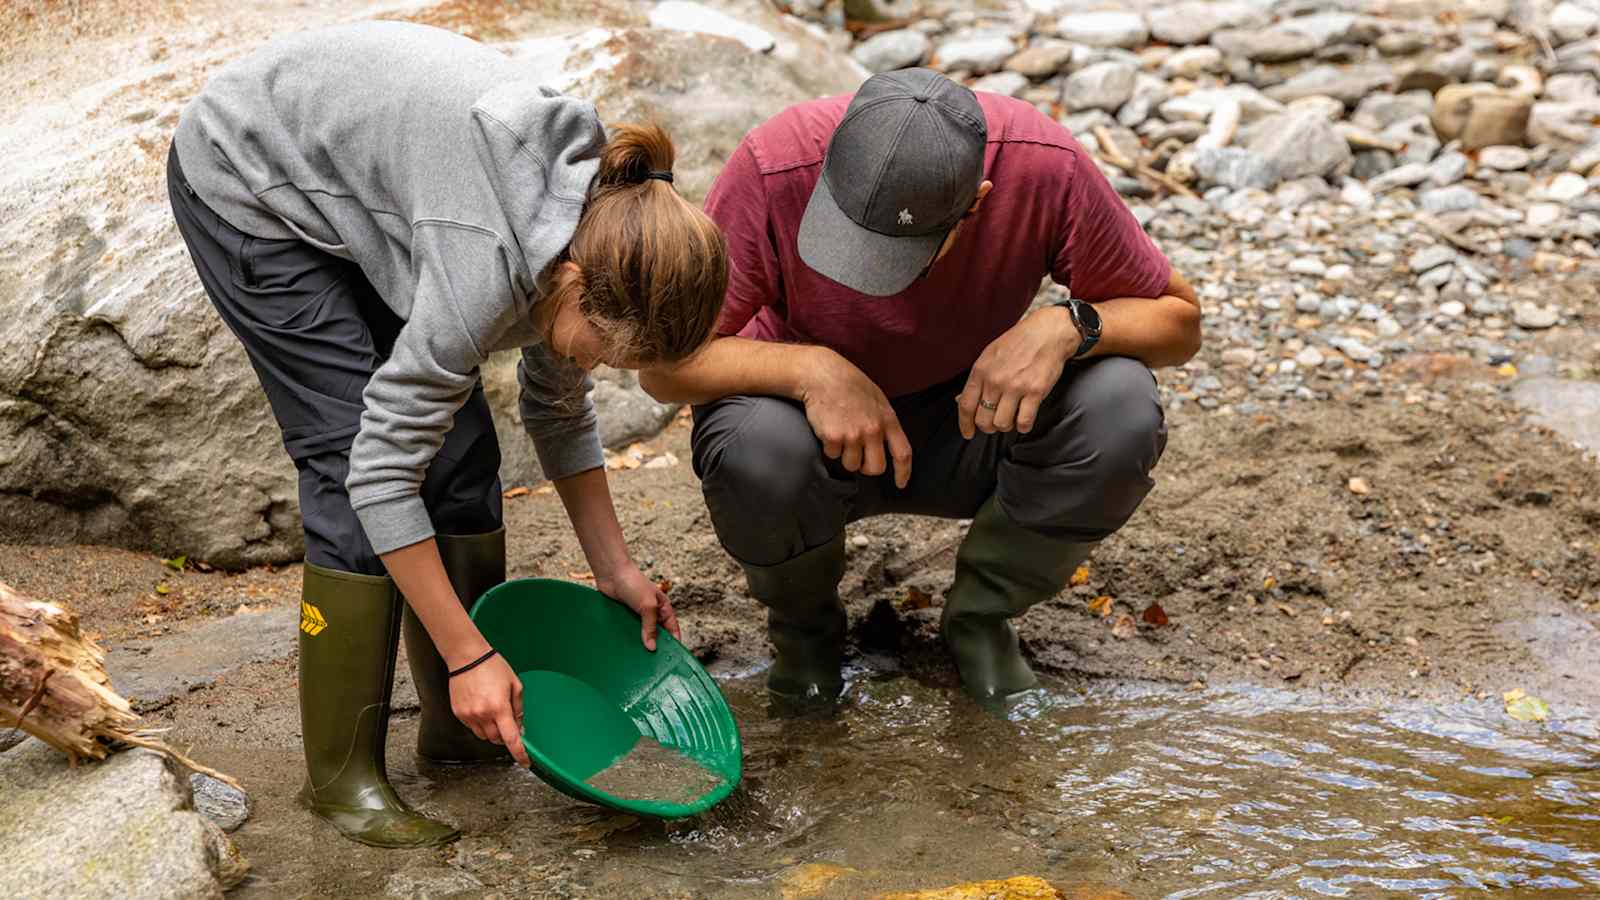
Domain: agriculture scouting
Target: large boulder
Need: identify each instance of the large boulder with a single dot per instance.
(129, 415)
(123, 827)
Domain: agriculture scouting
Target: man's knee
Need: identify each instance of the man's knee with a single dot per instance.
(760, 449)
(1086, 466)
(1120, 411)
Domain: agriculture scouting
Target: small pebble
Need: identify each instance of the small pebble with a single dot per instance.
(860, 542)
(1453, 308)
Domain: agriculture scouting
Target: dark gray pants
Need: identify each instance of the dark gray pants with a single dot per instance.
(1079, 474)
(315, 330)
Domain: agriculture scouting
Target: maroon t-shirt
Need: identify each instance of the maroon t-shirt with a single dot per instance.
(1051, 213)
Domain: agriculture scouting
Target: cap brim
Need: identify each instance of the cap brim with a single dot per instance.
(859, 258)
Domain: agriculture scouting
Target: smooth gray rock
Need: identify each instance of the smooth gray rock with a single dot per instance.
(225, 805)
(1504, 159)
(1408, 175)
(1104, 29)
(1192, 62)
(1430, 258)
(1235, 168)
(978, 55)
(152, 672)
(1041, 61)
(1571, 22)
(1569, 408)
(1105, 85)
(1348, 84)
(123, 827)
(1008, 84)
(1448, 169)
(1381, 110)
(1298, 144)
(1371, 164)
(1329, 28)
(889, 50)
(1457, 198)
(1193, 23)
(1534, 317)
(1278, 44)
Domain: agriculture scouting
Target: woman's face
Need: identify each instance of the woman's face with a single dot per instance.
(585, 346)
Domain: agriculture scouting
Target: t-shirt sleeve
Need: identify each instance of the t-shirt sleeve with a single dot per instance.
(1104, 252)
(737, 202)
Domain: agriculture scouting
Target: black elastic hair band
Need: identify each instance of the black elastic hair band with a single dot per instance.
(664, 176)
(475, 663)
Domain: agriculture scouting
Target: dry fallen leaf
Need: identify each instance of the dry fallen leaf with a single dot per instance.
(1155, 615)
(520, 491)
(1286, 609)
(1525, 708)
(1359, 486)
(916, 598)
(1124, 627)
(544, 490)
(163, 589)
(664, 585)
(1081, 576)
(1101, 605)
(581, 576)
(1269, 583)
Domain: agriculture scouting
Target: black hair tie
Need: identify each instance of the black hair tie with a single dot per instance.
(474, 664)
(664, 176)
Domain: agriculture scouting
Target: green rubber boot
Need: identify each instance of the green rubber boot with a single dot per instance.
(1001, 570)
(349, 635)
(475, 563)
(805, 622)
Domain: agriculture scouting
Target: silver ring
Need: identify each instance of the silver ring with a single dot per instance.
(989, 406)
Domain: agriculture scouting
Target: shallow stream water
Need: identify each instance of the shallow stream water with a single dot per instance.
(1153, 791)
(1161, 793)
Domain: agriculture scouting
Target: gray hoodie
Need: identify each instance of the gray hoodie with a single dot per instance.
(423, 157)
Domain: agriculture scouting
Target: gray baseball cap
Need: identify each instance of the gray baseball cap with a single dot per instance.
(901, 170)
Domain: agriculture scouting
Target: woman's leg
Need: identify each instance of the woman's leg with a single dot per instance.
(315, 331)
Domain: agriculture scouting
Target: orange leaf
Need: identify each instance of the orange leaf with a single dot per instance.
(1124, 627)
(1101, 605)
(1155, 615)
(520, 491)
(1081, 576)
(664, 585)
(1269, 583)
(916, 598)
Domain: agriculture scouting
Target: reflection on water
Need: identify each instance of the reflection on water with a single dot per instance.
(1162, 792)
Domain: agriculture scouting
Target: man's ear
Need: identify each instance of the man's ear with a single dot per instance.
(977, 201)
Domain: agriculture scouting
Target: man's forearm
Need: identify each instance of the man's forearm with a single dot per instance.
(1160, 332)
(729, 366)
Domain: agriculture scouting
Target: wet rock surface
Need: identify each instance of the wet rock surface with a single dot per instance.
(124, 826)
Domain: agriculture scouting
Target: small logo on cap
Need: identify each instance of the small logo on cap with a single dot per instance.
(906, 218)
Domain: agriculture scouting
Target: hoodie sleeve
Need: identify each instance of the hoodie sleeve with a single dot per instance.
(412, 399)
(557, 408)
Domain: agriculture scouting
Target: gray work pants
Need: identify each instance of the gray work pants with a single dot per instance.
(315, 330)
(1078, 475)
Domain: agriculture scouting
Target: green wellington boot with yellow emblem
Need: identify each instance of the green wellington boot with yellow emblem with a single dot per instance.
(349, 637)
(475, 563)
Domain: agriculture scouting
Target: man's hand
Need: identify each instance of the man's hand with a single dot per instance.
(853, 419)
(1016, 372)
(629, 587)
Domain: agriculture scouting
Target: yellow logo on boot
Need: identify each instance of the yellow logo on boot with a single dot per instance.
(311, 620)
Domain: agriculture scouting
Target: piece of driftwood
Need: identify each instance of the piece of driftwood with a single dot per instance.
(1110, 153)
(53, 685)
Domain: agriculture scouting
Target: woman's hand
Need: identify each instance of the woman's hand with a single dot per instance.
(488, 700)
(628, 586)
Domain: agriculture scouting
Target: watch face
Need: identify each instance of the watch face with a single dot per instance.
(1088, 318)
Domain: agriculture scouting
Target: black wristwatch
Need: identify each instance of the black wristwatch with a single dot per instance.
(1087, 320)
